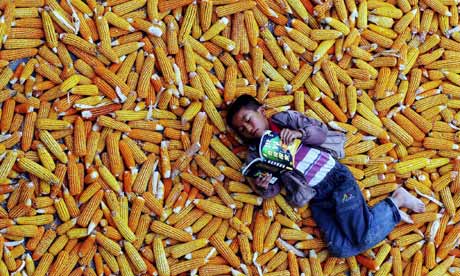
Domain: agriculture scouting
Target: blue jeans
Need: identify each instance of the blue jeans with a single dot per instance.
(349, 225)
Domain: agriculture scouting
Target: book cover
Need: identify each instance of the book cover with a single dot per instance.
(274, 157)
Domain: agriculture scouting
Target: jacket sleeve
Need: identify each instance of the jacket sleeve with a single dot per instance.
(273, 189)
(252, 154)
(298, 193)
(313, 131)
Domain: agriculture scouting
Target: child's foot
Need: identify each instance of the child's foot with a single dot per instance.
(403, 198)
(405, 217)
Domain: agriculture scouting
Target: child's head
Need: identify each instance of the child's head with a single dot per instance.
(246, 116)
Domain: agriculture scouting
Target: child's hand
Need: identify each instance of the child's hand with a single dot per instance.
(288, 135)
(263, 181)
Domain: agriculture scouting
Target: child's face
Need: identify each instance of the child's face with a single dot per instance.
(249, 123)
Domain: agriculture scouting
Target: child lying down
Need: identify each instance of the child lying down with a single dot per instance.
(349, 225)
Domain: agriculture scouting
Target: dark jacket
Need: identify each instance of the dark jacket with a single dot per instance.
(314, 134)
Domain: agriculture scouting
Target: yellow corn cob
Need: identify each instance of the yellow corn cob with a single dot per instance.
(123, 228)
(37, 170)
(414, 184)
(118, 21)
(410, 165)
(367, 113)
(169, 231)
(182, 249)
(20, 43)
(50, 33)
(213, 208)
(278, 101)
(264, 258)
(439, 144)
(277, 260)
(302, 39)
(442, 267)
(281, 202)
(439, 7)
(398, 131)
(216, 28)
(144, 76)
(272, 234)
(62, 210)
(51, 124)
(240, 227)
(448, 201)
(442, 182)
(213, 114)
(325, 34)
(191, 111)
(108, 244)
(224, 250)
(74, 40)
(160, 257)
(247, 198)
(369, 127)
(411, 128)
(424, 217)
(199, 183)
(44, 264)
(214, 269)
(225, 153)
(135, 257)
(293, 234)
(324, 114)
(184, 266)
(408, 239)
(382, 189)
(123, 264)
(315, 264)
(361, 147)
(245, 249)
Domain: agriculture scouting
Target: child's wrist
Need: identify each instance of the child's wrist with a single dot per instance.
(302, 133)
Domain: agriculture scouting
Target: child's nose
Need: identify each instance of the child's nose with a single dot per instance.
(248, 128)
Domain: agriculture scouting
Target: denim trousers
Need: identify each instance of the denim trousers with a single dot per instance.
(349, 225)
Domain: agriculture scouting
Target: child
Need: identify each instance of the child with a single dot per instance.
(336, 202)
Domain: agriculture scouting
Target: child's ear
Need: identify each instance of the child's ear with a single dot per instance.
(261, 110)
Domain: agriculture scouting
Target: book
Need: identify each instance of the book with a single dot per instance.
(274, 157)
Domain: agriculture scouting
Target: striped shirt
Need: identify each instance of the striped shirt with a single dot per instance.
(313, 163)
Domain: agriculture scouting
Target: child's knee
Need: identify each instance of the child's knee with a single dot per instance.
(348, 198)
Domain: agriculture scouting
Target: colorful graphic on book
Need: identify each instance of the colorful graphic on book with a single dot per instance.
(274, 157)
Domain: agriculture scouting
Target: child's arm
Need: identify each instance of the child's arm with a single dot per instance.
(313, 131)
(270, 190)
(259, 186)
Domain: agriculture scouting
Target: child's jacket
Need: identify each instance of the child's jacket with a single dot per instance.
(314, 134)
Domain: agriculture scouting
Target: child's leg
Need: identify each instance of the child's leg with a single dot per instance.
(355, 218)
(324, 215)
(349, 224)
(363, 225)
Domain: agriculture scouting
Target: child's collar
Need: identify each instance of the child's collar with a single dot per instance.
(273, 127)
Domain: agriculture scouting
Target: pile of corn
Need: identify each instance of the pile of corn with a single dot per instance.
(115, 158)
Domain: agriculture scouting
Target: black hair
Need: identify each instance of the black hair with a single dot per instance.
(244, 101)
